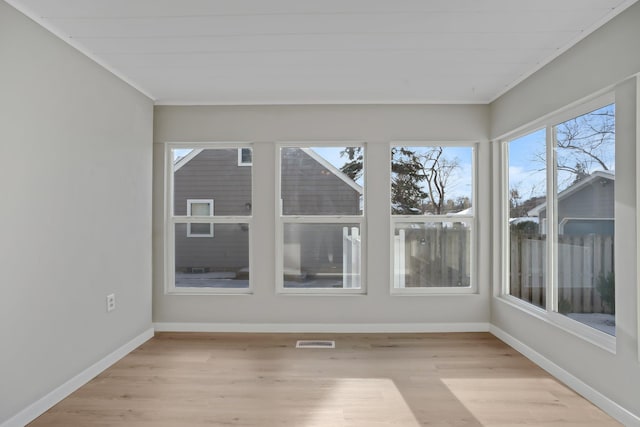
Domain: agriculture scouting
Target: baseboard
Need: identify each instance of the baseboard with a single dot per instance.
(321, 327)
(626, 417)
(40, 406)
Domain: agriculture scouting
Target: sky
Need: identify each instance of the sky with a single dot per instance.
(527, 171)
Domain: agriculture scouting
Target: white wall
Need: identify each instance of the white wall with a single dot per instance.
(605, 59)
(75, 212)
(376, 125)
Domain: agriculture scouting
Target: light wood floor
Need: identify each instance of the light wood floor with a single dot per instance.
(179, 379)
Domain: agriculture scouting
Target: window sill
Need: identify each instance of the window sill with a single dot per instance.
(433, 291)
(201, 291)
(321, 292)
(591, 335)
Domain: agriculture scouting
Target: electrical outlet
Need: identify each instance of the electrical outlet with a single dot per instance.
(111, 302)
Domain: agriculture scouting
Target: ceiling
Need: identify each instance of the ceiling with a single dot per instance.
(231, 52)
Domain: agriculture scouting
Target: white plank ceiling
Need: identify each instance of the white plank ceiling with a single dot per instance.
(322, 52)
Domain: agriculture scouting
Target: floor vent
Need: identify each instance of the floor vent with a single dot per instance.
(315, 344)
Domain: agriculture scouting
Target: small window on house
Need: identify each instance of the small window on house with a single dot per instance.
(245, 157)
(198, 207)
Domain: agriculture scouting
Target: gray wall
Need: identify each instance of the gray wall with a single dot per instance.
(308, 190)
(75, 144)
(603, 59)
(593, 200)
(376, 125)
(214, 174)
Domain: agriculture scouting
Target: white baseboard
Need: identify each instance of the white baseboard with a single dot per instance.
(43, 404)
(626, 417)
(321, 327)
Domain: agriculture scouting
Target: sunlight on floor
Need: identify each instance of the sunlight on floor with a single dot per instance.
(511, 400)
(369, 401)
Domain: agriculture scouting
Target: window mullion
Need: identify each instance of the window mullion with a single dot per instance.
(551, 279)
(505, 255)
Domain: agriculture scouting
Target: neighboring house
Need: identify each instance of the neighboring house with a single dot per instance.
(585, 247)
(215, 182)
(586, 207)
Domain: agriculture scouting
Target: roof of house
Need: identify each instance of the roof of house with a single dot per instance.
(181, 161)
(610, 175)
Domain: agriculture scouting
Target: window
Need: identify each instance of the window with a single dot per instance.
(561, 219)
(245, 157)
(198, 261)
(198, 207)
(527, 189)
(432, 193)
(320, 227)
(584, 218)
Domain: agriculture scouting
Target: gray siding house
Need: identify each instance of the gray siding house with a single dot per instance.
(586, 207)
(218, 182)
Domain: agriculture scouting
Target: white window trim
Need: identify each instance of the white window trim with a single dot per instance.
(359, 220)
(190, 202)
(470, 220)
(171, 220)
(549, 314)
(240, 162)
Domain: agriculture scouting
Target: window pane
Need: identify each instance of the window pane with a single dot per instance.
(246, 155)
(200, 209)
(432, 254)
(218, 262)
(431, 180)
(585, 156)
(211, 174)
(527, 218)
(200, 230)
(322, 256)
(321, 180)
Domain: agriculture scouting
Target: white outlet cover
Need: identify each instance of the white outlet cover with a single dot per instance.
(111, 302)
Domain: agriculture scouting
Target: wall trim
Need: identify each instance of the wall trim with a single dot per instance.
(46, 402)
(621, 414)
(321, 327)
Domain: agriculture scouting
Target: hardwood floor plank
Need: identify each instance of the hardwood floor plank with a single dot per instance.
(202, 379)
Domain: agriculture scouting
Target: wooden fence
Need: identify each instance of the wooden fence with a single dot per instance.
(581, 261)
(435, 257)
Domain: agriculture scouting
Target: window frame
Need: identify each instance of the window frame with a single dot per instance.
(470, 220)
(281, 220)
(190, 202)
(170, 221)
(549, 313)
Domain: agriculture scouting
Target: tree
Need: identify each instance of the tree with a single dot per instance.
(420, 179)
(406, 195)
(587, 139)
(354, 166)
(515, 210)
(584, 144)
(429, 169)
